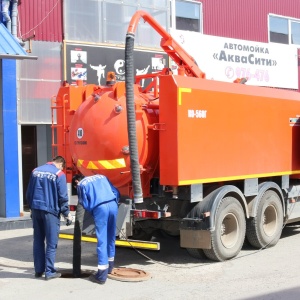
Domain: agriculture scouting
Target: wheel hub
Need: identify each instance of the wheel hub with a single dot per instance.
(229, 230)
(270, 220)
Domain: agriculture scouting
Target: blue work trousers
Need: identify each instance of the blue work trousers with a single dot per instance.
(45, 228)
(105, 217)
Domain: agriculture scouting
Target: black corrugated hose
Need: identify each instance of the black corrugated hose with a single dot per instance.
(77, 241)
(131, 122)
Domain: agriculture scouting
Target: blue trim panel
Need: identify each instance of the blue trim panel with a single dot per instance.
(10, 138)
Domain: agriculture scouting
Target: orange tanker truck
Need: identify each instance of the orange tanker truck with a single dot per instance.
(213, 162)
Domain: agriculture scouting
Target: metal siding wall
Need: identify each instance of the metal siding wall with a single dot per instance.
(44, 19)
(39, 80)
(244, 19)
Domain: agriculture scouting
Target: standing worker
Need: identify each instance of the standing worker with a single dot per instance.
(100, 198)
(47, 197)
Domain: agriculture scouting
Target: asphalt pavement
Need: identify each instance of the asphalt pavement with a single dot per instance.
(255, 274)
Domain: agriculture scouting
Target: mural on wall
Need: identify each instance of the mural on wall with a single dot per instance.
(91, 63)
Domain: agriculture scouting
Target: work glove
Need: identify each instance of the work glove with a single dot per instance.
(69, 219)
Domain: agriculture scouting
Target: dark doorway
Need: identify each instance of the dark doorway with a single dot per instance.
(29, 156)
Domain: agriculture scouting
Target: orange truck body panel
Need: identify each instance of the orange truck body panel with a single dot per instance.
(216, 131)
(67, 101)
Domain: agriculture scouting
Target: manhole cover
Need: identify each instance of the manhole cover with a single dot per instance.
(128, 274)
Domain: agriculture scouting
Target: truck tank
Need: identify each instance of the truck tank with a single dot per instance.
(99, 139)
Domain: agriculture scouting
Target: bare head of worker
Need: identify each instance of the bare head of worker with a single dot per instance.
(76, 179)
(59, 162)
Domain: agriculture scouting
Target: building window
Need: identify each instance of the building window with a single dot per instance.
(186, 15)
(295, 33)
(106, 21)
(284, 30)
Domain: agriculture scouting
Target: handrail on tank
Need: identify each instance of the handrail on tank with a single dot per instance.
(171, 47)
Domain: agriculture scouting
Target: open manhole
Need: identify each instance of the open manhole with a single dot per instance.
(69, 274)
(128, 274)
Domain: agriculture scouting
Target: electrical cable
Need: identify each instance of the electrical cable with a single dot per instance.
(41, 20)
(158, 262)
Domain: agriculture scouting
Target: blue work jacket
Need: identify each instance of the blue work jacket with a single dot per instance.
(95, 190)
(47, 190)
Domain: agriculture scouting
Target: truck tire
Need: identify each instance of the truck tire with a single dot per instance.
(196, 253)
(169, 234)
(228, 237)
(264, 230)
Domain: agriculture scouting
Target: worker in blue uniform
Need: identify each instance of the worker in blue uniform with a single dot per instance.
(47, 198)
(100, 198)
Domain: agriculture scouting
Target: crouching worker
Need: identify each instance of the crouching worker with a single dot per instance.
(100, 198)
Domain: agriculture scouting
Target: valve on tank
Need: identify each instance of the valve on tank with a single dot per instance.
(110, 78)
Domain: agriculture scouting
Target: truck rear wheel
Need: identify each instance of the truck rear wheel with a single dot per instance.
(228, 237)
(196, 253)
(265, 229)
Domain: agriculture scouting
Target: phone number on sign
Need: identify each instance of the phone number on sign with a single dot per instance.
(259, 75)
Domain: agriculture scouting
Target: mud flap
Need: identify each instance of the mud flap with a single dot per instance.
(199, 239)
(194, 233)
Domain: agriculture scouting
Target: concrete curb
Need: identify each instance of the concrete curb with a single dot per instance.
(22, 222)
(15, 223)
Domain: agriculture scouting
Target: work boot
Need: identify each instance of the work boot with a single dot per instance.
(53, 276)
(100, 277)
(110, 266)
(93, 278)
(38, 274)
